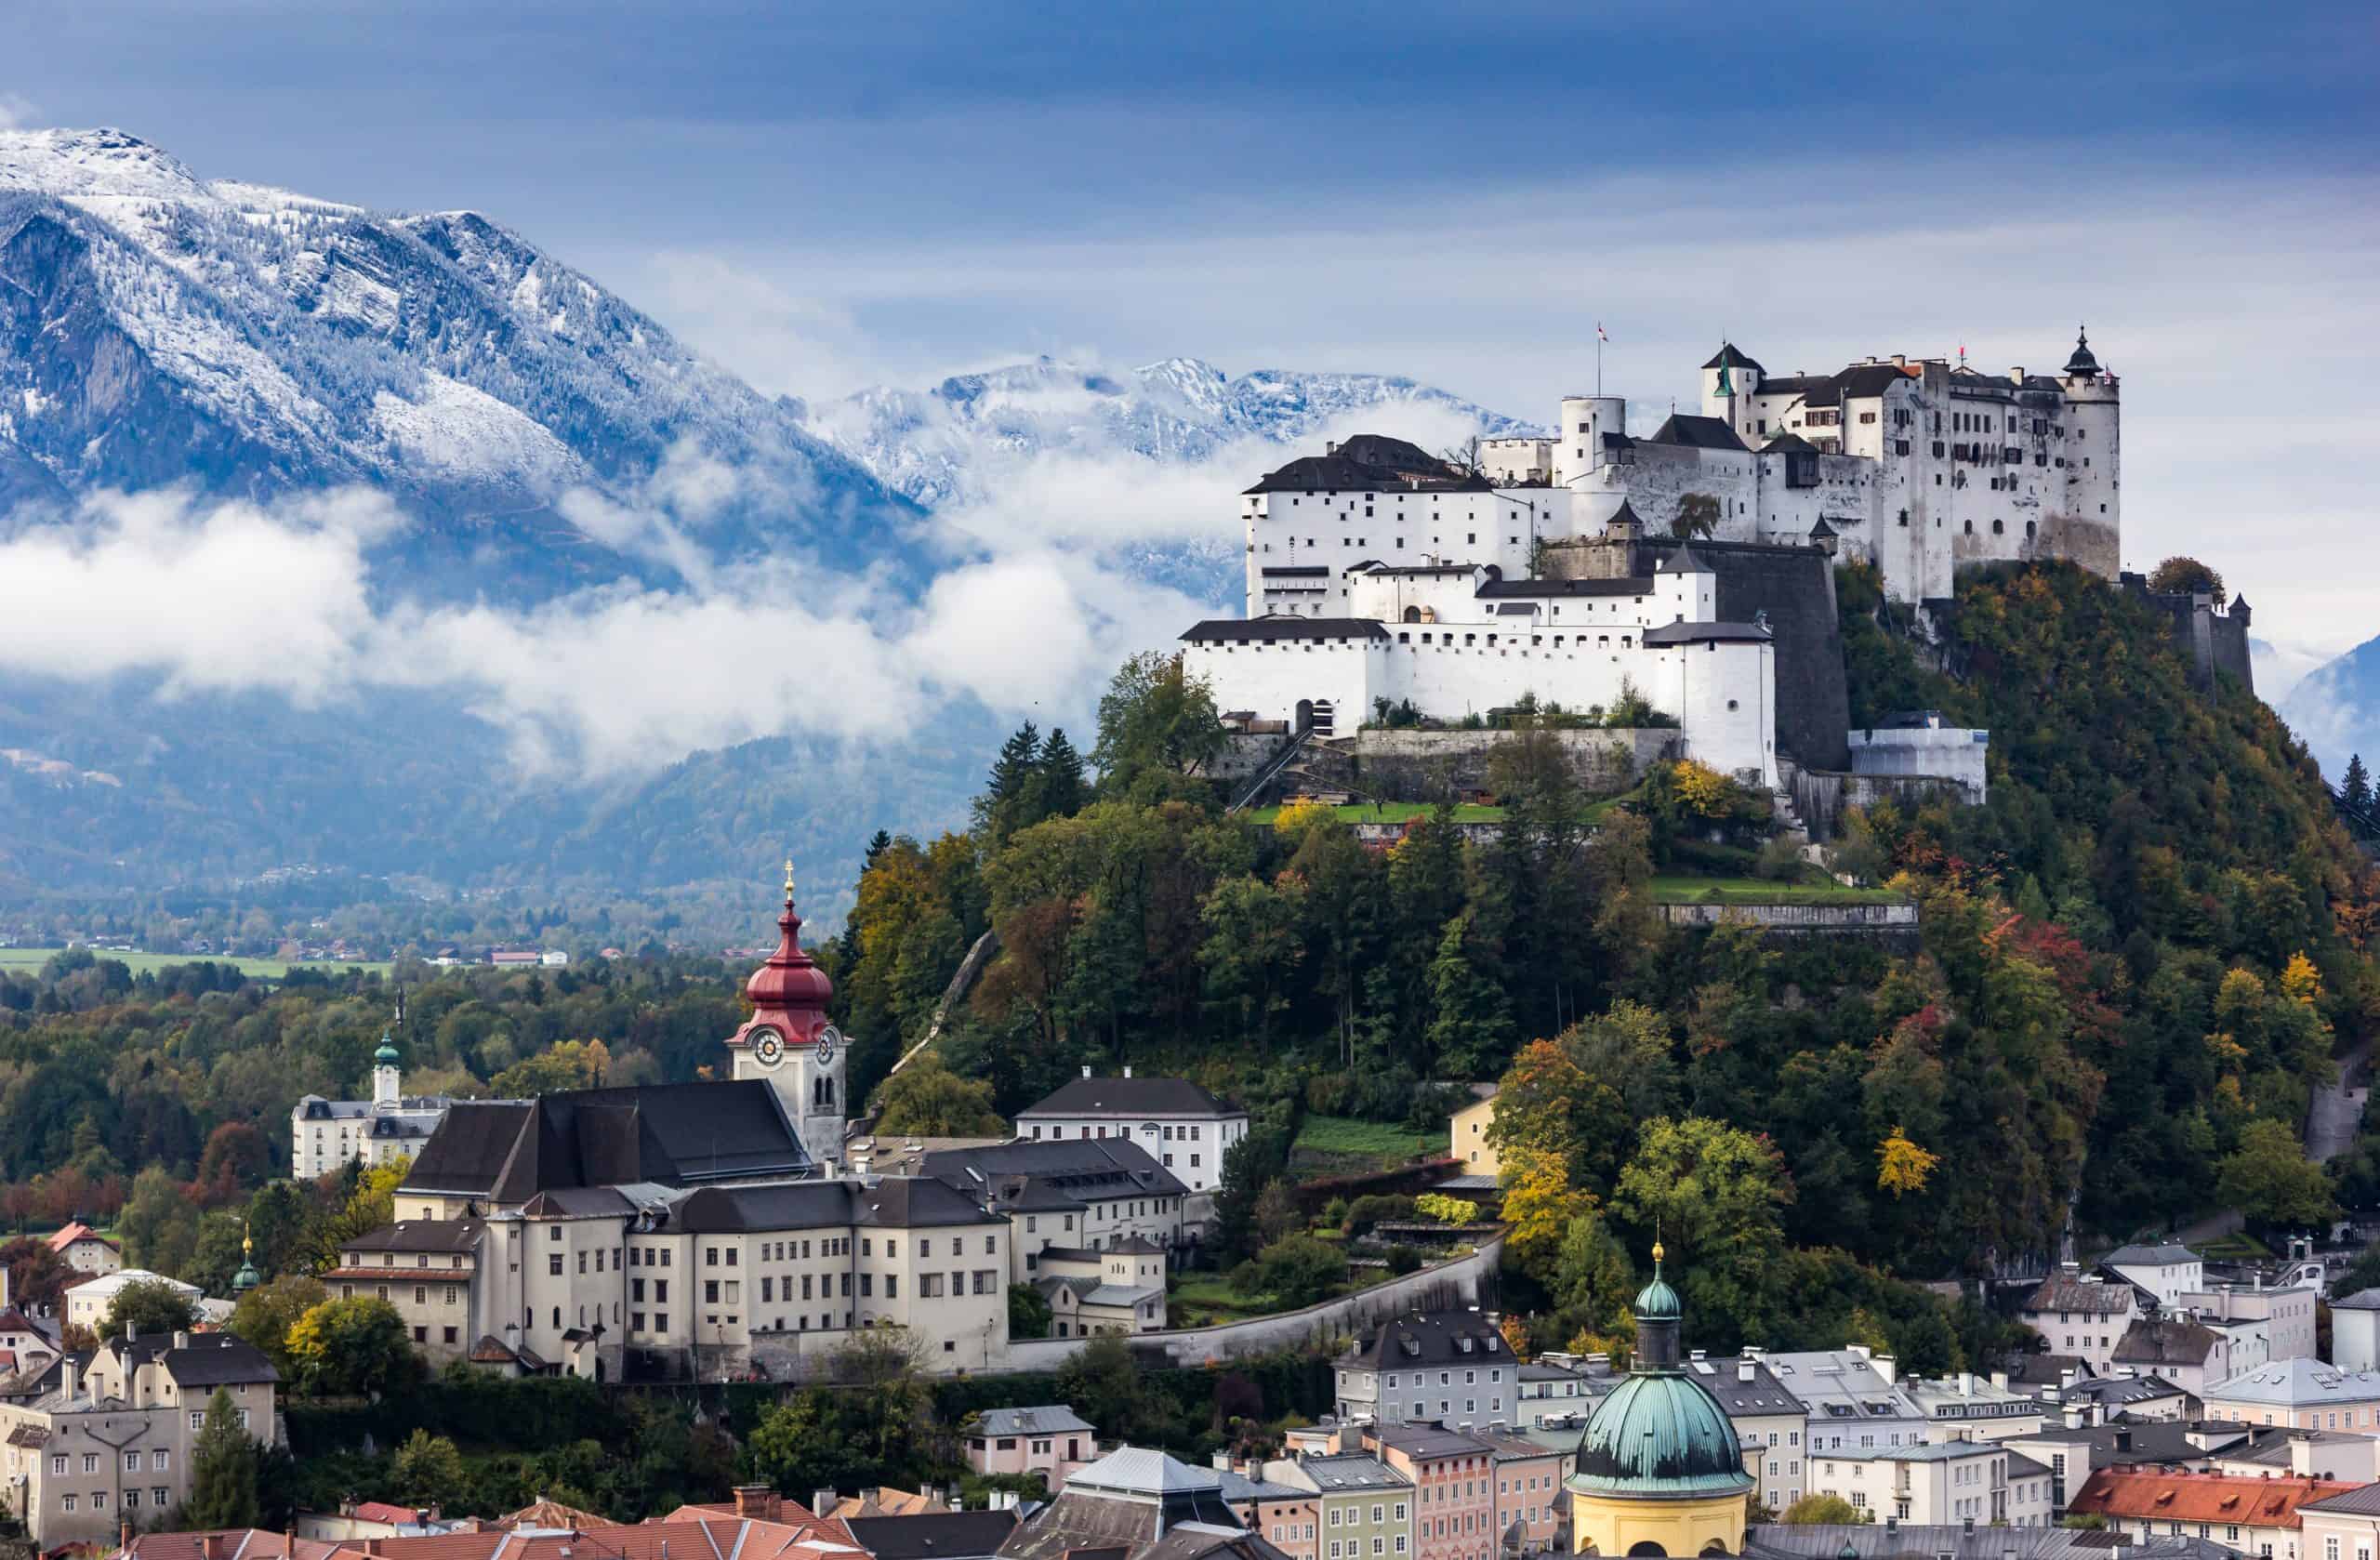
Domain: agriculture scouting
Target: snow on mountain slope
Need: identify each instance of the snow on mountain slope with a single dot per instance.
(939, 446)
(158, 328)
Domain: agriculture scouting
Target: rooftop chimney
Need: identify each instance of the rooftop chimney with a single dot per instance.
(68, 1375)
(181, 1339)
(822, 1501)
(2301, 1454)
(1888, 1368)
(2017, 375)
(1745, 1369)
(1900, 360)
(123, 1534)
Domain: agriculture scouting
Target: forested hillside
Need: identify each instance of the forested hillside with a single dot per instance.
(2138, 958)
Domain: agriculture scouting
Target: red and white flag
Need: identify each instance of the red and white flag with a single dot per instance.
(1599, 332)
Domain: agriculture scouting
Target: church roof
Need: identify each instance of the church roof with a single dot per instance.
(1660, 1434)
(2083, 360)
(668, 1135)
(1730, 356)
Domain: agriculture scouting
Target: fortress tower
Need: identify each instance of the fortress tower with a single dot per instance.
(2087, 524)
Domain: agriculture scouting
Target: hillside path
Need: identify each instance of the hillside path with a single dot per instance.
(2334, 1114)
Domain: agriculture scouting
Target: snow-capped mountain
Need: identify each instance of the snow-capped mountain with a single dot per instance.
(944, 445)
(2336, 708)
(158, 328)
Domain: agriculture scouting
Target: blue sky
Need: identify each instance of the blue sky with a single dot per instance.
(824, 197)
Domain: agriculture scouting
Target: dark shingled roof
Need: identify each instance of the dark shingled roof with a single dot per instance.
(1789, 443)
(933, 1535)
(1300, 571)
(1695, 633)
(1730, 356)
(1129, 1098)
(206, 1359)
(1430, 1338)
(2169, 1340)
(1369, 462)
(1219, 629)
(672, 1135)
(1028, 1175)
(419, 1234)
(1638, 586)
(1697, 432)
(893, 1202)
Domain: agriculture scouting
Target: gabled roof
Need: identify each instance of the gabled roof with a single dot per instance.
(1697, 432)
(1730, 356)
(1060, 1173)
(194, 1359)
(1787, 443)
(1131, 1098)
(77, 1232)
(426, 1235)
(2169, 1254)
(2362, 1300)
(2297, 1382)
(2166, 1341)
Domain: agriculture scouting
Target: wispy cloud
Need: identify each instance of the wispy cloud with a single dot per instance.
(17, 111)
(236, 596)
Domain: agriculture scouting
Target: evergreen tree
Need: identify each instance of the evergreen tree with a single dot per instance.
(1063, 788)
(1011, 795)
(222, 1472)
(2356, 789)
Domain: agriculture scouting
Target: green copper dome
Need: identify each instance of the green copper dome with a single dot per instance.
(1660, 1435)
(387, 1055)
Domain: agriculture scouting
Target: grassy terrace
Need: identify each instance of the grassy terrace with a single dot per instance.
(1669, 890)
(1371, 1140)
(1389, 813)
(262, 969)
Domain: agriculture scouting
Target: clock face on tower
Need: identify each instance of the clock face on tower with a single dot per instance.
(828, 1038)
(768, 1048)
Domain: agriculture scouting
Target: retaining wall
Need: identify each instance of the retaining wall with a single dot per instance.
(1896, 924)
(1468, 1280)
(1423, 765)
(1822, 797)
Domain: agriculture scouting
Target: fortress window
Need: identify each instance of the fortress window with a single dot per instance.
(1627, 640)
(1937, 449)
(1425, 638)
(1471, 535)
(1405, 639)
(1997, 528)
(2028, 528)
(1970, 528)
(1731, 704)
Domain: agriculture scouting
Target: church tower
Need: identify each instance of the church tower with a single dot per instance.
(789, 1042)
(1659, 1468)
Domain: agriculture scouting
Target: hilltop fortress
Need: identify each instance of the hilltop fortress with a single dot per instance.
(1689, 571)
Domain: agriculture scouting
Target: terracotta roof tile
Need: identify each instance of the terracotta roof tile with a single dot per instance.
(2259, 1502)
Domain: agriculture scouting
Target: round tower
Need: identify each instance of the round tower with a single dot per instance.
(789, 1043)
(1659, 1468)
(2090, 524)
(1578, 451)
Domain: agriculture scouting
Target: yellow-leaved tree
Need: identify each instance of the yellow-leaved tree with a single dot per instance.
(1901, 1165)
(1539, 1202)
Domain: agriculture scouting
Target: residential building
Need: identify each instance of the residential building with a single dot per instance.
(326, 1134)
(1260, 1502)
(2182, 1349)
(2264, 1321)
(2168, 1270)
(1137, 1505)
(87, 1303)
(371, 1519)
(2304, 1394)
(1531, 1509)
(1454, 1495)
(424, 1268)
(1357, 1501)
(2256, 1517)
(1184, 1129)
(1941, 1483)
(1449, 1367)
(2355, 1331)
(2341, 1526)
(1556, 1391)
(1052, 1441)
(2072, 1452)
(1120, 1290)
(108, 1438)
(2271, 1452)
(2135, 1397)
(1967, 1407)
(1769, 1423)
(1855, 1400)
(87, 1250)
(1895, 1541)
(26, 1343)
(2081, 1315)
(1467, 1141)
